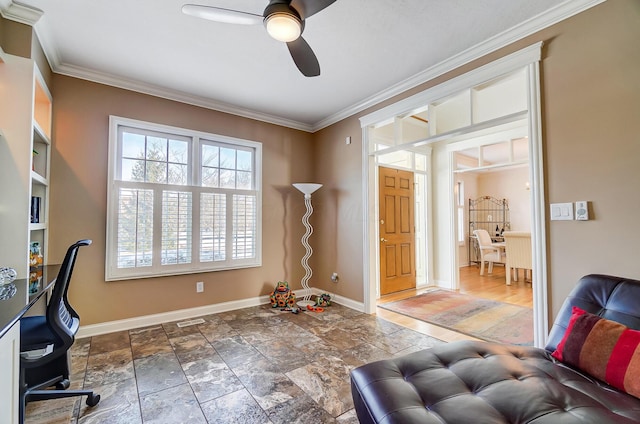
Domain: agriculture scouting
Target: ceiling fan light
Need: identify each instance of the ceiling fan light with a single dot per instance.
(283, 26)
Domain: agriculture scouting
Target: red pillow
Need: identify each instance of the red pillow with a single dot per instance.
(605, 349)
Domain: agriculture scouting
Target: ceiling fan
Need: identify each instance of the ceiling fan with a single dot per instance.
(284, 21)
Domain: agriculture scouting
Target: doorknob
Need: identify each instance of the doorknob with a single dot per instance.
(384, 240)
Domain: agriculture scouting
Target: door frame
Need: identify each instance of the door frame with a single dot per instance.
(528, 59)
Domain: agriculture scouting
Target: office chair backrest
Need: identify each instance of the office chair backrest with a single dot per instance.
(61, 317)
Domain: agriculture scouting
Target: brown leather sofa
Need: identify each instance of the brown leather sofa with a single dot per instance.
(477, 382)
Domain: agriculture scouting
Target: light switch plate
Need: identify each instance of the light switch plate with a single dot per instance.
(582, 210)
(562, 211)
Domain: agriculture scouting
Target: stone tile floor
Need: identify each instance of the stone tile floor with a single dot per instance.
(254, 365)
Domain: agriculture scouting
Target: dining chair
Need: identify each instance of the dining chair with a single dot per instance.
(488, 252)
(518, 249)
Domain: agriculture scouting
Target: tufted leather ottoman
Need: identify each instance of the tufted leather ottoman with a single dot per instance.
(477, 382)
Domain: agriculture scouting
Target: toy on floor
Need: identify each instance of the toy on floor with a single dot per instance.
(294, 310)
(282, 296)
(323, 300)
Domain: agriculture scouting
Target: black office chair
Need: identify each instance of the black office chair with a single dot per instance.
(45, 341)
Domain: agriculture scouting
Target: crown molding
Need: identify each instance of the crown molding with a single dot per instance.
(565, 10)
(50, 52)
(537, 23)
(21, 13)
(178, 96)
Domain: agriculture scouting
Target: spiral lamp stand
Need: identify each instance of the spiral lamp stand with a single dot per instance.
(307, 189)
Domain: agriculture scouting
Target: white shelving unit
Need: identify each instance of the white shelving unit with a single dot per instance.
(25, 119)
(25, 123)
(40, 162)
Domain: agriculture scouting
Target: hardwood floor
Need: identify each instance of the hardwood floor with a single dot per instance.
(494, 286)
(489, 286)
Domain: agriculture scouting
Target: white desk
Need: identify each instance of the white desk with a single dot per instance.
(19, 299)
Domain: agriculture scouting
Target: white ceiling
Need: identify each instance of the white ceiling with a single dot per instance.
(368, 50)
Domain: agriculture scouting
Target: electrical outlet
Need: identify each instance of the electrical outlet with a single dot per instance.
(199, 287)
(334, 277)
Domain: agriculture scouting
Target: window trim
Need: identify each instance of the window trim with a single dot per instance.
(112, 273)
(460, 213)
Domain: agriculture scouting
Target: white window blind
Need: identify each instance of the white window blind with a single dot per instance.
(180, 201)
(213, 227)
(176, 227)
(244, 219)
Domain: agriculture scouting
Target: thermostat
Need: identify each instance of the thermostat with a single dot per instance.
(582, 210)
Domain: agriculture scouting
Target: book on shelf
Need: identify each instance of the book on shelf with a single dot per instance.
(35, 254)
(35, 279)
(35, 209)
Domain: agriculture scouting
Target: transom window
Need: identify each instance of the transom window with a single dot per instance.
(180, 201)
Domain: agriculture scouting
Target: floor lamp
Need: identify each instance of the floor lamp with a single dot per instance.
(307, 189)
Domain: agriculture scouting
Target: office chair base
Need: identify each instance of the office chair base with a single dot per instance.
(92, 400)
(36, 395)
(40, 392)
(61, 384)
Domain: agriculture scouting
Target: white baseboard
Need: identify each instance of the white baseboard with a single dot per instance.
(443, 284)
(155, 319)
(344, 301)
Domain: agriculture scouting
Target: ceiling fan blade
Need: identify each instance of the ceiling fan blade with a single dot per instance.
(219, 14)
(306, 8)
(304, 57)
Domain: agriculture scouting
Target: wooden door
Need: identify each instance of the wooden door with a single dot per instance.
(397, 231)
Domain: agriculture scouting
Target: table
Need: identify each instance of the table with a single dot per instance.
(16, 299)
(500, 245)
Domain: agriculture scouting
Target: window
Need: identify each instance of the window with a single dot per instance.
(180, 201)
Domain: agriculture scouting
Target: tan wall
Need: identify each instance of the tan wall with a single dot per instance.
(79, 195)
(338, 236)
(510, 184)
(15, 38)
(591, 76)
(38, 55)
(20, 40)
(591, 109)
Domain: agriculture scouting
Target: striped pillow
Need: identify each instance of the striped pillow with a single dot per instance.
(605, 349)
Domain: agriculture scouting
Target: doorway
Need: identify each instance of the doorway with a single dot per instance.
(492, 193)
(502, 94)
(496, 199)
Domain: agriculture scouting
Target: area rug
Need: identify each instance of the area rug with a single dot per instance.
(482, 318)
